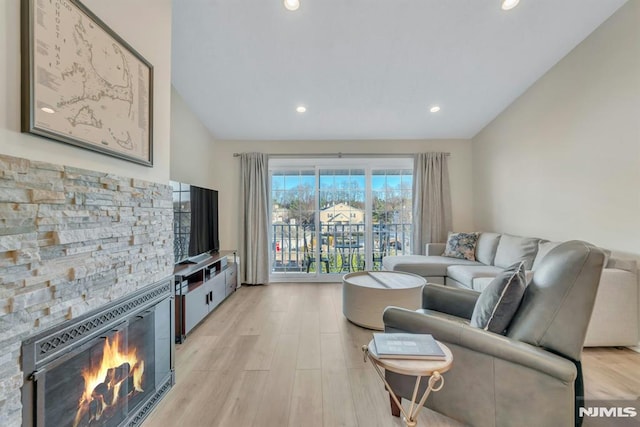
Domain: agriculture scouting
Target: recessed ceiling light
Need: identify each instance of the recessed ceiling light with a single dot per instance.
(434, 109)
(509, 4)
(301, 109)
(48, 110)
(292, 4)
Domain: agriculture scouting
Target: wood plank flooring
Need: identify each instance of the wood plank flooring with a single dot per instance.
(284, 355)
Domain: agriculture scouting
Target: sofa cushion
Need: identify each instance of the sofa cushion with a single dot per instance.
(461, 245)
(480, 283)
(465, 274)
(543, 248)
(422, 265)
(486, 247)
(498, 303)
(512, 249)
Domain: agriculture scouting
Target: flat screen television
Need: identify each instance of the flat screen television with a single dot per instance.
(195, 222)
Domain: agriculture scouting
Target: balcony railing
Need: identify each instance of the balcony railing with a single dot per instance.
(341, 247)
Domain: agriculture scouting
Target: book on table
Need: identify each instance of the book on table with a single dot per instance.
(407, 346)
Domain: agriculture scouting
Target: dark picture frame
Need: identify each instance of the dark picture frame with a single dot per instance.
(82, 84)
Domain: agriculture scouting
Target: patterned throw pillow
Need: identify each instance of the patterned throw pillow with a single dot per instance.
(461, 245)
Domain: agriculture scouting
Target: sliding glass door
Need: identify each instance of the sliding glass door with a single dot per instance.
(334, 216)
(293, 211)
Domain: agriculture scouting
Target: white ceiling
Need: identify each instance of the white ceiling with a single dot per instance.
(367, 69)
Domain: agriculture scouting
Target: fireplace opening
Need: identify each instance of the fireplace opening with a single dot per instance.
(110, 377)
(97, 386)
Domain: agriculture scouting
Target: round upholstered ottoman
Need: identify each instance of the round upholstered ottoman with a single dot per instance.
(365, 295)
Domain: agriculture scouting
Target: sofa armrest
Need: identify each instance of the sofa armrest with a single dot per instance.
(455, 301)
(434, 248)
(459, 333)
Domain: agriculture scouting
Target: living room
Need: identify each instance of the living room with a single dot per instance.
(557, 163)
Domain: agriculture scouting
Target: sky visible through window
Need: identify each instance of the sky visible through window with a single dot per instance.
(297, 194)
(380, 180)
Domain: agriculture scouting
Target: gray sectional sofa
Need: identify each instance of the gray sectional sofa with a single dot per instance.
(614, 321)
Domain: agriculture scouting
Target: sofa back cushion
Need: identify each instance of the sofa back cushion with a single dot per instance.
(486, 247)
(622, 264)
(512, 249)
(543, 248)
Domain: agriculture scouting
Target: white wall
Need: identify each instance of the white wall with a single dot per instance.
(197, 158)
(192, 146)
(563, 161)
(145, 25)
(227, 172)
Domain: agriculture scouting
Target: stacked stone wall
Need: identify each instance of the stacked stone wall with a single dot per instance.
(71, 240)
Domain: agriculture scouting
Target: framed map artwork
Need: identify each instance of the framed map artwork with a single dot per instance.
(82, 84)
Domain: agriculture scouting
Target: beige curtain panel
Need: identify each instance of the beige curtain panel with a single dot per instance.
(254, 208)
(431, 200)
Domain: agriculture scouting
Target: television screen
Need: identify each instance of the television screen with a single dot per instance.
(195, 221)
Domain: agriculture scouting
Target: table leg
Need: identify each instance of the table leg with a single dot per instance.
(410, 418)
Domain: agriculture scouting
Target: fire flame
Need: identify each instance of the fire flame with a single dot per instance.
(107, 378)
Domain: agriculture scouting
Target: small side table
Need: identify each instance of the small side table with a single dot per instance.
(414, 367)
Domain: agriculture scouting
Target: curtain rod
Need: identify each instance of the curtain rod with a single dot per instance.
(338, 155)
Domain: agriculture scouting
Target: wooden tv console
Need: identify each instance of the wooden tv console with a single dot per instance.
(201, 287)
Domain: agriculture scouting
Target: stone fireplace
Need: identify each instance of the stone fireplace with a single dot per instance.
(73, 243)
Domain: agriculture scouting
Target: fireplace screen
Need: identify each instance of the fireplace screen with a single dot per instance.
(112, 377)
(97, 386)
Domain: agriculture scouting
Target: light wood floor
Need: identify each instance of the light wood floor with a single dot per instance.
(284, 355)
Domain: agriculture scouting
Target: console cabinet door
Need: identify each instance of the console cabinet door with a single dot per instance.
(218, 285)
(231, 277)
(196, 306)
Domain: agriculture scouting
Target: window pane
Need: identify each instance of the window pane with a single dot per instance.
(391, 207)
(337, 199)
